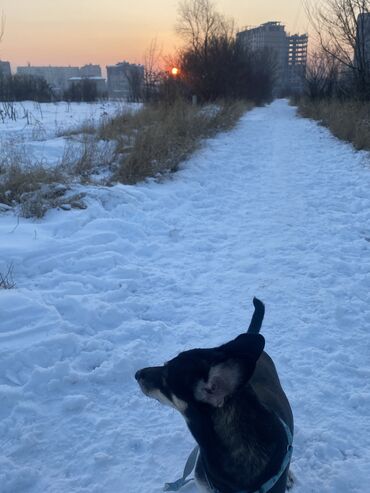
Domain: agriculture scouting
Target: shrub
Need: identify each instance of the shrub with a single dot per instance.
(228, 71)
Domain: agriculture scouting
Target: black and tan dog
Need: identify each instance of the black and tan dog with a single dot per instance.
(235, 408)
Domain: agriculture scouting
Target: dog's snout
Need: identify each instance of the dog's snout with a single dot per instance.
(143, 374)
(138, 374)
(150, 377)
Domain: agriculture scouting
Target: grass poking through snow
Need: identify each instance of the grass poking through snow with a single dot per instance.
(127, 148)
(6, 278)
(156, 139)
(347, 120)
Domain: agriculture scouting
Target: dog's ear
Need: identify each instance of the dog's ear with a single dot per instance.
(224, 378)
(246, 346)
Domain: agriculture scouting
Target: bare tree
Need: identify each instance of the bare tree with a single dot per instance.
(342, 30)
(213, 64)
(135, 78)
(153, 73)
(206, 35)
(199, 22)
(2, 25)
(322, 76)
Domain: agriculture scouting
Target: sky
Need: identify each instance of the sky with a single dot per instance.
(75, 32)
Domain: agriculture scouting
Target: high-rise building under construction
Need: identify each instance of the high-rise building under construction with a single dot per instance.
(288, 52)
(362, 47)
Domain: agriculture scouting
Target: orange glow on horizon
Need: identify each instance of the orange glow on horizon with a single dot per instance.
(90, 31)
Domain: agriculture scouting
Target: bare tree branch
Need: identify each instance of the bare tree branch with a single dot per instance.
(342, 30)
(2, 25)
(199, 22)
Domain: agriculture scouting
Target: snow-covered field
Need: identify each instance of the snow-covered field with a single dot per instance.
(276, 208)
(37, 129)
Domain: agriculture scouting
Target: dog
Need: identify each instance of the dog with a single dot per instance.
(235, 408)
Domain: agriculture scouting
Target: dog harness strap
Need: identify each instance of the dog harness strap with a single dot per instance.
(267, 486)
(189, 466)
(271, 482)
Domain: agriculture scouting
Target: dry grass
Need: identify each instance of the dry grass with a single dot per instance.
(157, 138)
(85, 128)
(86, 156)
(347, 120)
(33, 188)
(6, 278)
(130, 146)
(124, 124)
(29, 186)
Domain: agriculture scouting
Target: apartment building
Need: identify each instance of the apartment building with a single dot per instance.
(124, 80)
(56, 77)
(5, 68)
(59, 78)
(297, 62)
(90, 70)
(362, 48)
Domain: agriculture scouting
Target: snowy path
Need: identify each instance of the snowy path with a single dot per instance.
(276, 208)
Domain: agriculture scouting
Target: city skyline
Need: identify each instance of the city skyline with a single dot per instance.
(84, 31)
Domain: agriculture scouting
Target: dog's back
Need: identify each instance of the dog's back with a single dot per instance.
(266, 384)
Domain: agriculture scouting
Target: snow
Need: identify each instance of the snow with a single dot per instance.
(36, 131)
(276, 208)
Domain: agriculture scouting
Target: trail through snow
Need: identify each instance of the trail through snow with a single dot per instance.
(276, 208)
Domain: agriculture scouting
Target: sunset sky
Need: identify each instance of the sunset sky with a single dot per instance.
(75, 32)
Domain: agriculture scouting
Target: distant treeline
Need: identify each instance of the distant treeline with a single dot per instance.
(24, 87)
(84, 90)
(33, 88)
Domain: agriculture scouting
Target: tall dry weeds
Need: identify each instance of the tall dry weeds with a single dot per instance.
(6, 278)
(347, 120)
(138, 145)
(33, 188)
(156, 139)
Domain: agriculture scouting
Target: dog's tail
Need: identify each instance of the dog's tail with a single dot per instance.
(259, 313)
